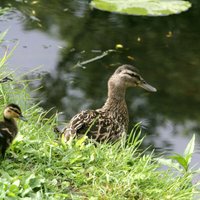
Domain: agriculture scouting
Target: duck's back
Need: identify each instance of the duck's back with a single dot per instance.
(97, 124)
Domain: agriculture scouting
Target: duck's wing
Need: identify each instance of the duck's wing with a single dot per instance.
(6, 138)
(96, 124)
(5, 134)
(81, 123)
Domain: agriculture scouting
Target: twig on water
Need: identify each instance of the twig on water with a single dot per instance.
(105, 53)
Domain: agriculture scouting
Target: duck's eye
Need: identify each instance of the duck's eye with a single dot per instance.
(134, 75)
(131, 74)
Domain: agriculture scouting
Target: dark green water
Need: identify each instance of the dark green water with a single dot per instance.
(58, 34)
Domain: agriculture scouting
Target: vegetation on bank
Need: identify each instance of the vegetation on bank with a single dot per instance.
(39, 166)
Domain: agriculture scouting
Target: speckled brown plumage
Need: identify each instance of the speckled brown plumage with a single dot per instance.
(111, 121)
(8, 127)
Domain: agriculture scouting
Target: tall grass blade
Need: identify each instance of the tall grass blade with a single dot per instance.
(2, 36)
(189, 149)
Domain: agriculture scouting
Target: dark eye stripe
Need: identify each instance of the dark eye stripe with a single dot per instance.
(134, 75)
(15, 110)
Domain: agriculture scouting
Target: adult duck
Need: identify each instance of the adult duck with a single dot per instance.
(109, 122)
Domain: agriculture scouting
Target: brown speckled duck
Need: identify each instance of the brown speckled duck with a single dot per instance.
(111, 121)
(8, 127)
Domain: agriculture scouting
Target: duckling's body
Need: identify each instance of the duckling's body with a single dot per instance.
(111, 121)
(8, 127)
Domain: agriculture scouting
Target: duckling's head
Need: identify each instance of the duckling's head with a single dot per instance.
(127, 76)
(13, 111)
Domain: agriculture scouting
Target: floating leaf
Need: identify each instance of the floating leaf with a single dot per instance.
(142, 7)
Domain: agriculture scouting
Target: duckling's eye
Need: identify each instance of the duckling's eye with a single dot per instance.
(15, 110)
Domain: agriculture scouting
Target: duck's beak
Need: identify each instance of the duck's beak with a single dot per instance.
(147, 87)
(23, 118)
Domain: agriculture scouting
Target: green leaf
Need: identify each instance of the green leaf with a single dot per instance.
(36, 182)
(181, 160)
(189, 149)
(14, 189)
(142, 7)
(11, 194)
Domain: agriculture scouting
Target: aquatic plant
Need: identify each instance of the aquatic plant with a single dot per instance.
(144, 7)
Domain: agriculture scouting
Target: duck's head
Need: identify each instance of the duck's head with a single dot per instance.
(128, 76)
(13, 111)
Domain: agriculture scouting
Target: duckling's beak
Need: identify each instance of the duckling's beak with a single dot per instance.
(23, 118)
(147, 87)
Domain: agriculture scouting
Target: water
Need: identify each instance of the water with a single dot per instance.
(58, 35)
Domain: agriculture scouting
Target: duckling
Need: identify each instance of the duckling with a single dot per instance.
(109, 122)
(8, 127)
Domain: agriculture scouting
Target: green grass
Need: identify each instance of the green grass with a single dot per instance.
(39, 166)
(4, 10)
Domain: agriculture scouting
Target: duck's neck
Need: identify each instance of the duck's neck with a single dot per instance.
(116, 100)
